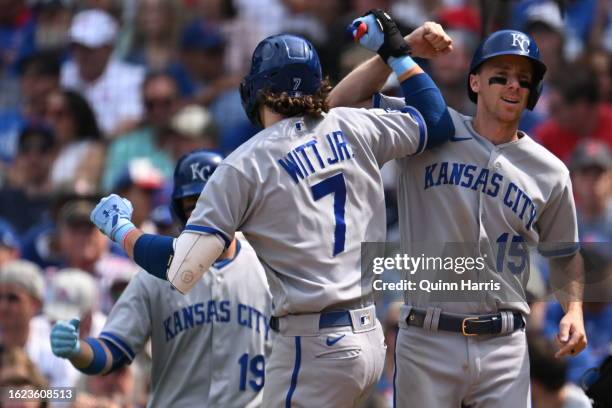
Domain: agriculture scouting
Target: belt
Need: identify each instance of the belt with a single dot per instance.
(470, 325)
(328, 319)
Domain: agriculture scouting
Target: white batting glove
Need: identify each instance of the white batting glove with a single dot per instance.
(113, 216)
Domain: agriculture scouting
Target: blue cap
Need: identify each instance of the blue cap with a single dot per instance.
(8, 237)
(201, 35)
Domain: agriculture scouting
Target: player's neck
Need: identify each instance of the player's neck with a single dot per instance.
(269, 117)
(495, 131)
(230, 252)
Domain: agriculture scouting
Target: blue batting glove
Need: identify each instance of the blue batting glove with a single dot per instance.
(65, 338)
(373, 38)
(113, 216)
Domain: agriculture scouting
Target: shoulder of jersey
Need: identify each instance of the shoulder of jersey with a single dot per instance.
(542, 155)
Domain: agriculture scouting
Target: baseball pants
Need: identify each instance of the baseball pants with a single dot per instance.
(445, 370)
(333, 367)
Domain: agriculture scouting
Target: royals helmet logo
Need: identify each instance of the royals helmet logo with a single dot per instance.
(200, 172)
(521, 41)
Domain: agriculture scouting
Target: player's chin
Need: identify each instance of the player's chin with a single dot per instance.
(510, 112)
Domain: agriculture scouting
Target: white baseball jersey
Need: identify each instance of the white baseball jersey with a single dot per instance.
(306, 193)
(493, 196)
(208, 346)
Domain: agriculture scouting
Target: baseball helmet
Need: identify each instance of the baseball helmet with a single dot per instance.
(510, 42)
(280, 63)
(190, 176)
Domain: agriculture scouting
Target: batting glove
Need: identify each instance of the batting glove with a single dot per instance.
(65, 338)
(113, 216)
(377, 32)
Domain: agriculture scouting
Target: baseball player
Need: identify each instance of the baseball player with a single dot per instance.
(306, 191)
(493, 186)
(209, 346)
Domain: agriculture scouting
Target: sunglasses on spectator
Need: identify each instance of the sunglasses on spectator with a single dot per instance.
(10, 297)
(33, 146)
(152, 103)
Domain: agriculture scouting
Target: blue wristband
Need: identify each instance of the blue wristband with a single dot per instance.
(122, 231)
(401, 65)
(99, 358)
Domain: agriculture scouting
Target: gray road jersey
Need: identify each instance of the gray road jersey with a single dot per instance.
(306, 193)
(208, 346)
(472, 191)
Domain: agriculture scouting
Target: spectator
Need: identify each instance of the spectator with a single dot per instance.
(17, 371)
(39, 76)
(543, 22)
(50, 26)
(110, 86)
(83, 246)
(549, 386)
(24, 199)
(577, 114)
(155, 36)
(80, 153)
(41, 244)
(138, 183)
(116, 389)
(600, 61)
(80, 243)
(21, 299)
(202, 53)
(161, 97)
(9, 243)
(190, 128)
(73, 292)
(14, 20)
(449, 71)
(591, 171)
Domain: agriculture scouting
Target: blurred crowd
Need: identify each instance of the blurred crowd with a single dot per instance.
(100, 96)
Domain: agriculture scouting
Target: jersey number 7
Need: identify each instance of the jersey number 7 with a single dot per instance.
(335, 185)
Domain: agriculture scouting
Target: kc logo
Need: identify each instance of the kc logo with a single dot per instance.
(202, 173)
(520, 40)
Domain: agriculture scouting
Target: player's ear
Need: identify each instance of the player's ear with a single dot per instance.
(475, 82)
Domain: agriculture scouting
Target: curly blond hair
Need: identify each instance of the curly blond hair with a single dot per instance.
(306, 105)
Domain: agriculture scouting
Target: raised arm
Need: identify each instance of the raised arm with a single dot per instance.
(357, 88)
(378, 32)
(152, 253)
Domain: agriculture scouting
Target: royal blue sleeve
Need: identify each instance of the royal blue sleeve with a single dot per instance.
(421, 92)
(153, 253)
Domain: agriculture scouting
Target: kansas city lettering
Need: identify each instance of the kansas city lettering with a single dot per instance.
(215, 311)
(310, 157)
(483, 181)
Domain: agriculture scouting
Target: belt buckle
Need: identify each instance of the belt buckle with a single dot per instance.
(464, 324)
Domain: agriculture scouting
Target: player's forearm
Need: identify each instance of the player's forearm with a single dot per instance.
(567, 273)
(360, 84)
(90, 361)
(130, 242)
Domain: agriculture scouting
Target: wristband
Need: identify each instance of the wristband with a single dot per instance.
(122, 231)
(400, 65)
(98, 362)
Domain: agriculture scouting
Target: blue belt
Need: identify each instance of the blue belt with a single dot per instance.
(328, 319)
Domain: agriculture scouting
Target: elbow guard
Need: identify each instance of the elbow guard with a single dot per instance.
(193, 255)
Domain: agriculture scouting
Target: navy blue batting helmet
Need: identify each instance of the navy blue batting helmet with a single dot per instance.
(510, 42)
(281, 63)
(190, 176)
